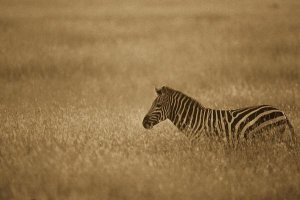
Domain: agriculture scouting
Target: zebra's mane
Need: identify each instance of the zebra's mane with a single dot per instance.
(172, 91)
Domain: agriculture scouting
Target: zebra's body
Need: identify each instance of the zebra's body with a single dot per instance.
(189, 116)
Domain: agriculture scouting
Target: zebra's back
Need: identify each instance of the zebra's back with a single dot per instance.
(238, 123)
(249, 120)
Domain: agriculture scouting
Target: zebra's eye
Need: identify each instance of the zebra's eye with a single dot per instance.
(159, 104)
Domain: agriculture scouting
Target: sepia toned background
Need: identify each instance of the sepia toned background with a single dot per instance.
(77, 78)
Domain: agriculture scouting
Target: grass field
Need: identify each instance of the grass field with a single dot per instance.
(77, 78)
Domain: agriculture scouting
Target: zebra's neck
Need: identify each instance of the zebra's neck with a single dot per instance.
(186, 113)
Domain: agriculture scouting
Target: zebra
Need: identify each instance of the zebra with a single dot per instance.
(192, 118)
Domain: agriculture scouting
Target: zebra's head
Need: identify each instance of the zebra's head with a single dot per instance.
(159, 110)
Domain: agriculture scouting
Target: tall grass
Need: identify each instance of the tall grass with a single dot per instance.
(76, 79)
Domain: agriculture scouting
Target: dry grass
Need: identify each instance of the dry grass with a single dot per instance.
(77, 78)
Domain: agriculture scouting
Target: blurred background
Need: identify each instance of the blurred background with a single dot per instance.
(219, 52)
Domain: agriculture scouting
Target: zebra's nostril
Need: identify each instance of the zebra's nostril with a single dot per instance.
(146, 123)
(146, 126)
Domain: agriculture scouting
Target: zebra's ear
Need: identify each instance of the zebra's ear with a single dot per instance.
(161, 91)
(158, 91)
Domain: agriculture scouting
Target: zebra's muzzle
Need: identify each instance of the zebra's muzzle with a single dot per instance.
(147, 124)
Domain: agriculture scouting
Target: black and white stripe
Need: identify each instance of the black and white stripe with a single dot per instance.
(190, 116)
